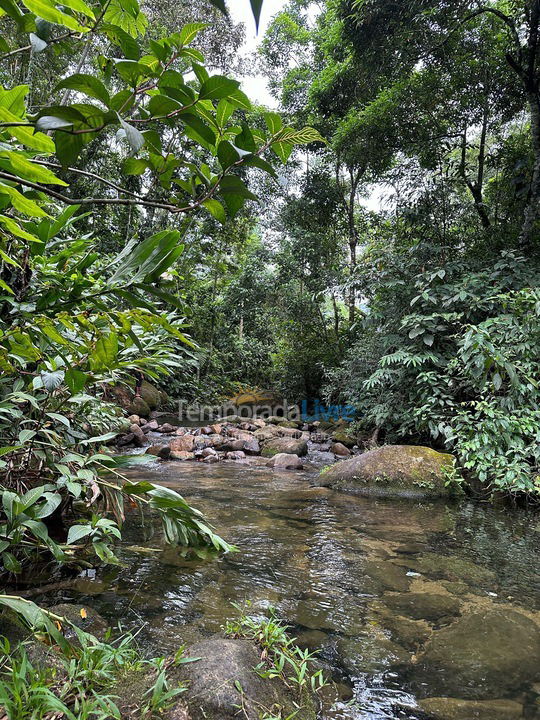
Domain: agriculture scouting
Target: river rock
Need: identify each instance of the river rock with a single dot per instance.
(208, 452)
(444, 708)
(275, 419)
(181, 455)
(450, 567)
(138, 434)
(370, 652)
(340, 449)
(266, 433)
(134, 420)
(83, 617)
(289, 424)
(166, 428)
(423, 606)
(392, 471)
(485, 653)
(211, 459)
(216, 429)
(288, 432)
(343, 439)
(138, 406)
(386, 576)
(236, 455)
(182, 443)
(411, 634)
(259, 423)
(150, 425)
(284, 461)
(161, 451)
(151, 395)
(284, 445)
(223, 680)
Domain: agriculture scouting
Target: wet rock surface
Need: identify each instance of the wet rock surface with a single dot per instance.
(223, 681)
(456, 709)
(482, 654)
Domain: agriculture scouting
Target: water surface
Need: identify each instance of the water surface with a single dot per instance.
(340, 570)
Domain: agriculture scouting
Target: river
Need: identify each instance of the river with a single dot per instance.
(368, 583)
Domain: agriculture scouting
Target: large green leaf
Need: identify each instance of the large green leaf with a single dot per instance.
(217, 87)
(87, 84)
(47, 10)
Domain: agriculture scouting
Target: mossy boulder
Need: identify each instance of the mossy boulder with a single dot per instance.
(406, 471)
(151, 395)
(344, 439)
(223, 680)
(139, 407)
(278, 445)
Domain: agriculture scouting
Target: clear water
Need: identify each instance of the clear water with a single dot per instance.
(328, 562)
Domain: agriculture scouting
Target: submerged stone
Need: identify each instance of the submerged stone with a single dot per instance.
(423, 606)
(455, 709)
(485, 653)
(392, 471)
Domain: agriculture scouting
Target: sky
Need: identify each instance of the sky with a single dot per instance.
(255, 86)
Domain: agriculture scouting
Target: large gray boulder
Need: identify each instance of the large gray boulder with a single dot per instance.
(484, 654)
(223, 680)
(404, 471)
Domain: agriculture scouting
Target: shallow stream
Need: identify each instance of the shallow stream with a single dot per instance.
(403, 600)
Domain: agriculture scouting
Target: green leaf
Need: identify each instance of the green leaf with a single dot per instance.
(77, 532)
(273, 122)
(217, 87)
(127, 16)
(227, 155)
(15, 229)
(80, 7)
(22, 203)
(87, 84)
(198, 130)
(11, 563)
(25, 135)
(299, 137)
(75, 380)
(47, 10)
(135, 166)
(283, 150)
(30, 170)
(216, 209)
(105, 352)
(189, 32)
(224, 112)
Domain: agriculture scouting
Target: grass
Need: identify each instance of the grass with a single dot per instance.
(280, 656)
(74, 686)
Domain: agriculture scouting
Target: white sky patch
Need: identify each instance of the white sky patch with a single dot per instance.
(255, 86)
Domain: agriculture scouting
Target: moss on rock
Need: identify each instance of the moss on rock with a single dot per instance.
(406, 471)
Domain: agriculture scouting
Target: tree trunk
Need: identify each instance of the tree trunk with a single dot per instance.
(531, 211)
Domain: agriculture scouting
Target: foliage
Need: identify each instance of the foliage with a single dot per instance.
(280, 656)
(78, 683)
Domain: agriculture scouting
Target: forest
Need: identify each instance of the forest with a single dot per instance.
(269, 359)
